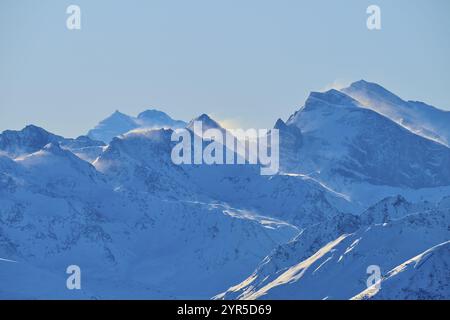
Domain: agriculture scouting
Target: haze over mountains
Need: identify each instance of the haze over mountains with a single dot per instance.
(364, 180)
(119, 123)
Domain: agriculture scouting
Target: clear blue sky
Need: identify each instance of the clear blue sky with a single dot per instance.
(245, 62)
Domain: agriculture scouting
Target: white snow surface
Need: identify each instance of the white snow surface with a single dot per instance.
(364, 180)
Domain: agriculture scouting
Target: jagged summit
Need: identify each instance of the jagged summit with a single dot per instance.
(33, 138)
(354, 189)
(30, 139)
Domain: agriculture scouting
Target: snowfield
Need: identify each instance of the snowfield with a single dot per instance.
(364, 181)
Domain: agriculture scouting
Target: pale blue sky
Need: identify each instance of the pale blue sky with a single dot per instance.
(247, 62)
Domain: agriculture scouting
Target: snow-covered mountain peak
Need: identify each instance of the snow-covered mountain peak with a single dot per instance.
(344, 140)
(355, 189)
(155, 115)
(418, 117)
(118, 118)
(362, 88)
(207, 123)
(331, 97)
(56, 172)
(156, 119)
(118, 114)
(30, 139)
(320, 104)
(114, 125)
(115, 116)
(137, 154)
(50, 155)
(119, 123)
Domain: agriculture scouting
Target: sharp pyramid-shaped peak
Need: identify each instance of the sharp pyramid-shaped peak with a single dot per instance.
(280, 125)
(207, 122)
(117, 116)
(117, 113)
(203, 117)
(118, 119)
(114, 125)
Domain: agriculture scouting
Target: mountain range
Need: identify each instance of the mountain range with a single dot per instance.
(364, 180)
(119, 123)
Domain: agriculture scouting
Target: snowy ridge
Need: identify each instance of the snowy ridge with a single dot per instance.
(423, 277)
(345, 143)
(357, 187)
(419, 117)
(329, 260)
